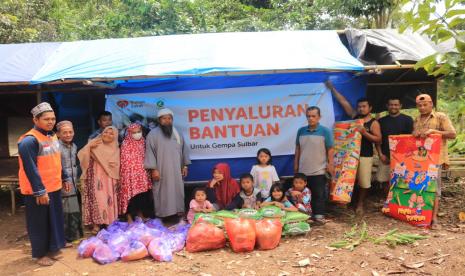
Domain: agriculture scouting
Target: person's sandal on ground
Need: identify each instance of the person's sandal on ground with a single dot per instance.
(318, 222)
(435, 225)
(45, 261)
(55, 255)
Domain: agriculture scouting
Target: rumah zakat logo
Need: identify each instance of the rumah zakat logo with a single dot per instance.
(122, 103)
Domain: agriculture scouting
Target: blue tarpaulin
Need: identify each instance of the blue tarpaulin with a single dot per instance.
(181, 55)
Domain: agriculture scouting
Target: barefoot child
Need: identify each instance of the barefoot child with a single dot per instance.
(199, 204)
(299, 194)
(279, 199)
(249, 197)
(264, 174)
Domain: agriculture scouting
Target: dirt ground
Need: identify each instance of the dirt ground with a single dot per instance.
(366, 259)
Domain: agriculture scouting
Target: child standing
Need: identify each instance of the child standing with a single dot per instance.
(264, 173)
(248, 197)
(199, 204)
(299, 194)
(278, 199)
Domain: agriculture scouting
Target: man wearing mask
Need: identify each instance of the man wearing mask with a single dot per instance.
(433, 122)
(371, 134)
(41, 179)
(394, 123)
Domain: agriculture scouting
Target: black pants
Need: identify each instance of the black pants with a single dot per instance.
(139, 203)
(317, 185)
(45, 225)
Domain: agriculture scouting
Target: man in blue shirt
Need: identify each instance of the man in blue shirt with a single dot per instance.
(104, 120)
(314, 157)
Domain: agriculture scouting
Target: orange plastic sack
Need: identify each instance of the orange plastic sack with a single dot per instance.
(268, 233)
(241, 233)
(204, 236)
(135, 251)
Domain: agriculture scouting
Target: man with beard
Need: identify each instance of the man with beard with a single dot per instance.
(167, 158)
(394, 123)
(371, 133)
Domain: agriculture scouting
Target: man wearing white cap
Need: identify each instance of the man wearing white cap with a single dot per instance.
(167, 158)
(41, 179)
(433, 122)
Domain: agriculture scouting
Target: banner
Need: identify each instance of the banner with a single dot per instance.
(230, 122)
(414, 175)
(347, 141)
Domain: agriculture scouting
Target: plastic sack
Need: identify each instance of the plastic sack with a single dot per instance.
(268, 232)
(160, 250)
(149, 234)
(249, 213)
(135, 251)
(87, 247)
(204, 236)
(294, 217)
(156, 224)
(225, 214)
(119, 242)
(241, 233)
(272, 212)
(296, 228)
(103, 254)
(208, 218)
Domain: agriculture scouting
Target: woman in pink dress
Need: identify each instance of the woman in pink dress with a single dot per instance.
(134, 178)
(100, 164)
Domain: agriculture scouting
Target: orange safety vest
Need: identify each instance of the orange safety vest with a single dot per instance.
(48, 164)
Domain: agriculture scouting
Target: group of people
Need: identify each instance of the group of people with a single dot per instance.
(121, 174)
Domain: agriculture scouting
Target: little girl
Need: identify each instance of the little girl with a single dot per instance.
(264, 173)
(279, 199)
(222, 188)
(199, 204)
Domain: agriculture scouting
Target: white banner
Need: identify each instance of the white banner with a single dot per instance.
(230, 122)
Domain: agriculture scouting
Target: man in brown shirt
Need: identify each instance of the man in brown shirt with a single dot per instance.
(432, 122)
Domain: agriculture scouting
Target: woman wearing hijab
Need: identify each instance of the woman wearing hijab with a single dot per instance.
(222, 188)
(100, 162)
(134, 178)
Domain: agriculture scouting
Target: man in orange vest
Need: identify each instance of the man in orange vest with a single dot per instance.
(41, 179)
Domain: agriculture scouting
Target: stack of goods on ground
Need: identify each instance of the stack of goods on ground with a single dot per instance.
(414, 178)
(245, 229)
(347, 141)
(135, 241)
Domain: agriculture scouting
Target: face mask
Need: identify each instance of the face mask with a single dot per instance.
(137, 136)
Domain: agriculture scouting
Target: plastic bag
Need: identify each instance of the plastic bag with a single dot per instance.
(160, 250)
(149, 234)
(294, 217)
(241, 233)
(249, 213)
(296, 228)
(156, 224)
(119, 242)
(208, 218)
(117, 225)
(135, 251)
(204, 236)
(103, 235)
(225, 214)
(87, 247)
(272, 212)
(177, 239)
(103, 254)
(268, 232)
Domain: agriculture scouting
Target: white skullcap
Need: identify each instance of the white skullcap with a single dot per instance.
(165, 111)
(40, 108)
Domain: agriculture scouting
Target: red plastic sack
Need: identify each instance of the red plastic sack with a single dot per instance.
(241, 233)
(135, 251)
(204, 236)
(268, 233)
